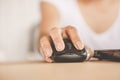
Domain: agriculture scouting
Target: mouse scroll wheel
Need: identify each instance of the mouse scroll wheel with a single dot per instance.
(69, 46)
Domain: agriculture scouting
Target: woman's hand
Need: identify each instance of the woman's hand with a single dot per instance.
(57, 36)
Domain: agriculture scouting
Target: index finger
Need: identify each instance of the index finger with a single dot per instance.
(74, 37)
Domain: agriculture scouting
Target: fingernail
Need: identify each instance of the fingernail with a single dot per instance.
(79, 45)
(59, 47)
(48, 52)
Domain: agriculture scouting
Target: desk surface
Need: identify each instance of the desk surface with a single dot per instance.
(94, 70)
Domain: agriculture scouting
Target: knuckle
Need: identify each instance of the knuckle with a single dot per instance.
(71, 28)
(42, 39)
(76, 40)
(45, 46)
(54, 29)
(44, 42)
(57, 39)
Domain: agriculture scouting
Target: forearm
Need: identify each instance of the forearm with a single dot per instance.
(47, 25)
(50, 18)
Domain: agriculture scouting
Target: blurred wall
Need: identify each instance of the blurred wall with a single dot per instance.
(17, 18)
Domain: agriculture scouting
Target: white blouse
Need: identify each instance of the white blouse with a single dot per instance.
(71, 15)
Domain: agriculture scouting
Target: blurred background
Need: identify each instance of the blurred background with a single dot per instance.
(19, 21)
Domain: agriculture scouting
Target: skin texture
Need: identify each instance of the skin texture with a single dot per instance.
(105, 10)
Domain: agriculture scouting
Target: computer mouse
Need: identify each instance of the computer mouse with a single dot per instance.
(69, 54)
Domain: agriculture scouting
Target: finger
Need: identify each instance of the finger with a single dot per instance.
(45, 58)
(48, 60)
(73, 35)
(45, 46)
(41, 52)
(57, 39)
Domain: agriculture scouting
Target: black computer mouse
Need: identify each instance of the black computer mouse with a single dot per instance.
(69, 54)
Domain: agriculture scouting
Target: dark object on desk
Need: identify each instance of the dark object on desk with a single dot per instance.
(69, 54)
(112, 55)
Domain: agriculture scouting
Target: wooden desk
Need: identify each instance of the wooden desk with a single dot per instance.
(94, 70)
